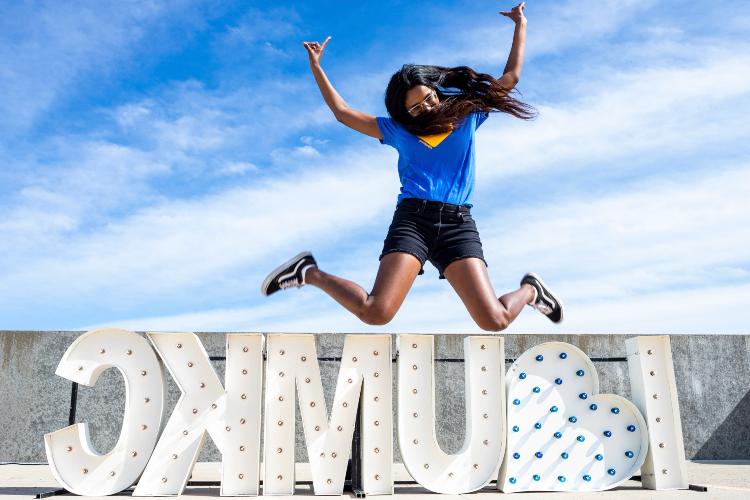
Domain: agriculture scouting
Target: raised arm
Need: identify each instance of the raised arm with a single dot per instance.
(359, 121)
(512, 71)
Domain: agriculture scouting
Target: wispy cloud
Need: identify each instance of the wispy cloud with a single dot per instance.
(50, 49)
(644, 272)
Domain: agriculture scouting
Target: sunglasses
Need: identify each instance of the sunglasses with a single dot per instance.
(420, 105)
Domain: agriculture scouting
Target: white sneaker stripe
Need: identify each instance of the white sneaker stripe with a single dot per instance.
(292, 273)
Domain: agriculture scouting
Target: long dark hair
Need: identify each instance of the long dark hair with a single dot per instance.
(461, 91)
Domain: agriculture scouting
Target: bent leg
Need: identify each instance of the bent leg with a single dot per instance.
(470, 280)
(396, 274)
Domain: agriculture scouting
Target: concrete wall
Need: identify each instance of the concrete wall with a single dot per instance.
(712, 371)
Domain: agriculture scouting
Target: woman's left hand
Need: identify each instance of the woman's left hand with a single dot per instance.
(516, 13)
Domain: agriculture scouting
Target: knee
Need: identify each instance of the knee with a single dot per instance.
(377, 313)
(494, 323)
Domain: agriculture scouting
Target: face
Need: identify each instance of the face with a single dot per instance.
(420, 98)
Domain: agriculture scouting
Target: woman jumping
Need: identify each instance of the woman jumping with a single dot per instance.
(434, 112)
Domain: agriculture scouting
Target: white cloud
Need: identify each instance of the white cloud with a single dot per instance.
(46, 47)
(257, 25)
(644, 272)
(165, 248)
(553, 28)
(237, 168)
(656, 112)
(92, 180)
(313, 141)
(284, 155)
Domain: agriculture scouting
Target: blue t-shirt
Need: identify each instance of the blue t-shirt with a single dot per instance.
(435, 167)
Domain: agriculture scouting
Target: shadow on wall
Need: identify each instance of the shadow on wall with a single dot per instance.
(734, 429)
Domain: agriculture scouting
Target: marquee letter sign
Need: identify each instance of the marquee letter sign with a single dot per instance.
(74, 463)
(542, 426)
(478, 461)
(364, 375)
(231, 417)
(564, 435)
(655, 392)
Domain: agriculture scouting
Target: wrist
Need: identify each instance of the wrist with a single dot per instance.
(521, 23)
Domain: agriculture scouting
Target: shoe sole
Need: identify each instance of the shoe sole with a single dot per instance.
(276, 271)
(546, 291)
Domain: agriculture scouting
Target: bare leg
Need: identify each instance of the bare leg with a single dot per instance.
(472, 283)
(514, 301)
(395, 277)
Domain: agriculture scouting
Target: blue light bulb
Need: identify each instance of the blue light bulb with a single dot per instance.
(581, 439)
(593, 406)
(586, 477)
(631, 428)
(537, 477)
(512, 480)
(580, 373)
(538, 454)
(516, 402)
(599, 457)
(611, 472)
(615, 410)
(558, 381)
(561, 478)
(572, 420)
(536, 390)
(564, 455)
(607, 434)
(538, 425)
(563, 355)
(516, 455)
(558, 435)
(539, 357)
(553, 409)
(522, 375)
(583, 395)
(629, 454)
(515, 428)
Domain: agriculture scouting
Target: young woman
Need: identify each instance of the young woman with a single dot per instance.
(434, 112)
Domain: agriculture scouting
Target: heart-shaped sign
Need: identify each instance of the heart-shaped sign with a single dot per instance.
(562, 434)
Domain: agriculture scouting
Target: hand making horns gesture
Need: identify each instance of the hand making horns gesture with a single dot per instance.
(516, 13)
(315, 50)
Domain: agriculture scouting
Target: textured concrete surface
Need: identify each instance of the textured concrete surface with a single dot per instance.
(712, 371)
(723, 480)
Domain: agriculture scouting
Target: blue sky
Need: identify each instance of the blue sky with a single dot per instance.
(160, 158)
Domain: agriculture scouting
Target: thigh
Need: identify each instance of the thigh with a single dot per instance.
(408, 233)
(396, 274)
(469, 278)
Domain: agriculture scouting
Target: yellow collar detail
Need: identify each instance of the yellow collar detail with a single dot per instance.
(433, 140)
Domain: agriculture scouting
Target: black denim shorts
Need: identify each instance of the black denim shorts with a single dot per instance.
(435, 231)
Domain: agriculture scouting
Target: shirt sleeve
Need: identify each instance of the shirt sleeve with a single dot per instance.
(481, 117)
(389, 129)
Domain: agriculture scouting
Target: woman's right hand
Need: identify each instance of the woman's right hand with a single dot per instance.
(516, 14)
(315, 50)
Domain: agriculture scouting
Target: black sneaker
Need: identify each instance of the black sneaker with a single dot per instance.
(289, 274)
(546, 302)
